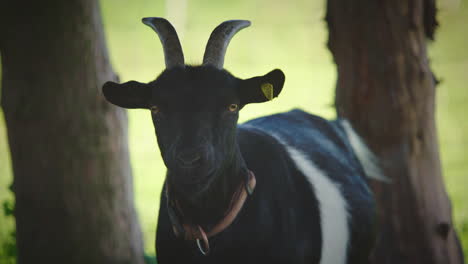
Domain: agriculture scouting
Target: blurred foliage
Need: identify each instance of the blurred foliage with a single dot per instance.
(288, 35)
(8, 243)
(150, 259)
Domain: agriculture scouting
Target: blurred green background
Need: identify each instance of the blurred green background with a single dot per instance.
(290, 35)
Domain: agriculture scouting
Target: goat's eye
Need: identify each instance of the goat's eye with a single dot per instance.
(233, 107)
(154, 109)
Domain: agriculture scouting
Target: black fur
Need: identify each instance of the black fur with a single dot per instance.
(280, 222)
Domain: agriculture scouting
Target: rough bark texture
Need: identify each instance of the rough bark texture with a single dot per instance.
(387, 90)
(72, 178)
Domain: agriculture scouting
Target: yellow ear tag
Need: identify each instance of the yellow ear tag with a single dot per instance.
(267, 89)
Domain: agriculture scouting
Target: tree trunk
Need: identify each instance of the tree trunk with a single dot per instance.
(387, 90)
(72, 178)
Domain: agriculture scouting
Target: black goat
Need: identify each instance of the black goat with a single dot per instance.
(286, 188)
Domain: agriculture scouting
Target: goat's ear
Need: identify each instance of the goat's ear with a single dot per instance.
(262, 88)
(131, 94)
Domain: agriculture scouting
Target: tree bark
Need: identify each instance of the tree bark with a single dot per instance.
(386, 89)
(72, 178)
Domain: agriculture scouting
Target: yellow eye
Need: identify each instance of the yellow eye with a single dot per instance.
(233, 107)
(154, 109)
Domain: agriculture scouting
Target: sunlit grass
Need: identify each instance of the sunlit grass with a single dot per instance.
(6, 223)
(287, 35)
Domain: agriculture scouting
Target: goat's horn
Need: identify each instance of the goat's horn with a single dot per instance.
(219, 40)
(173, 54)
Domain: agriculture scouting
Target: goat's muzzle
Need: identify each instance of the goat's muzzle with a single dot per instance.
(190, 158)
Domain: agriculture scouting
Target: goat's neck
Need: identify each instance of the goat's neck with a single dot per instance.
(210, 206)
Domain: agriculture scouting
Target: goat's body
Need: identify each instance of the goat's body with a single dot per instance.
(311, 204)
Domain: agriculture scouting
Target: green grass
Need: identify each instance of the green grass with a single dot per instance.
(288, 35)
(6, 222)
(449, 58)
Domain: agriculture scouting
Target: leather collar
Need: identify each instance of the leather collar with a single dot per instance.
(196, 232)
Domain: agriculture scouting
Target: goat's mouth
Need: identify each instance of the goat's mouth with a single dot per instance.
(191, 174)
(198, 168)
(192, 166)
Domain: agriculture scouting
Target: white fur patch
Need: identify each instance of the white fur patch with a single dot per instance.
(332, 207)
(365, 156)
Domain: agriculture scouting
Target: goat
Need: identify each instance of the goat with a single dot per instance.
(285, 188)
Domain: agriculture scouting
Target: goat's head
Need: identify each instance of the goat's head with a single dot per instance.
(195, 108)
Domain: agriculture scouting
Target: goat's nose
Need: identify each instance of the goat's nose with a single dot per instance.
(189, 158)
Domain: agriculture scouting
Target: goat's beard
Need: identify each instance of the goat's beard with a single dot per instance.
(194, 182)
(197, 203)
(188, 183)
(205, 201)
(204, 194)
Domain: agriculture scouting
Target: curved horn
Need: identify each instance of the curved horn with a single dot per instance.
(219, 40)
(173, 54)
